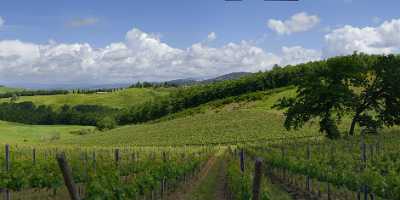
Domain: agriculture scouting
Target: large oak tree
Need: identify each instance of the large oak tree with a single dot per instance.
(361, 86)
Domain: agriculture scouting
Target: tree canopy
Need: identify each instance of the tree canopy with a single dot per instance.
(361, 86)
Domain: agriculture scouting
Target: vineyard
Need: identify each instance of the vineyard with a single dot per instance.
(362, 168)
(99, 173)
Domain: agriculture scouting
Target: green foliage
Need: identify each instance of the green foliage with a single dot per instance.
(29, 113)
(189, 97)
(360, 85)
(106, 123)
(102, 178)
(338, 163)
(240, 184)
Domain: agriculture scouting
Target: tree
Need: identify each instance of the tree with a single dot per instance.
(361, 86)
(14, 98)
(378, 103)
(106, 123)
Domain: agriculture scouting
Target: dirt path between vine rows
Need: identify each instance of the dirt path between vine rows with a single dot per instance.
(194, 186)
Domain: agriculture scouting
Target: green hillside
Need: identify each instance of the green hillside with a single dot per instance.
(33, 134)
(235, 122)
(215, 122)
(4, 89)
(118, 99)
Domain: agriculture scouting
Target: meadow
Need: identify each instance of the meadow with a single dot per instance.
(15, 133)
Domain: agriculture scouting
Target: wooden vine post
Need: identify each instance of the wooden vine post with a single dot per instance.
(94, 161)
(308, 177)
(364, 165)
(117, 157)
(67, 174)
(34, 156)
(242, 165)
(7, 168)
(257, 179)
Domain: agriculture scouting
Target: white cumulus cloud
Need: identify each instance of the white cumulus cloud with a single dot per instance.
(298, 54)
(299, 22)
(382, 39)
(141, 56)
(212, 36)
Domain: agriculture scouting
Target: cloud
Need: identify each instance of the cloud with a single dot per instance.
(211, 36)
(2, 21)
(382, 39)
(82, 22)
(376, 20)
(298, 54)
(141, 56)
(299, 22)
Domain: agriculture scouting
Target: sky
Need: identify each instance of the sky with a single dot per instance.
(104, 42)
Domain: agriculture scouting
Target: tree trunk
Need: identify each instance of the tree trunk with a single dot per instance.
(353, 124)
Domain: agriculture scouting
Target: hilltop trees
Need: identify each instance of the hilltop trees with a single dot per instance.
(363, 87)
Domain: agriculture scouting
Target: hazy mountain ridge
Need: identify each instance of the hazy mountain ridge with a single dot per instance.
(179, 82)
(193, 81)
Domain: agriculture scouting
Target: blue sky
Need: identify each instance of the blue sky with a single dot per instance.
(180, 25)
(182, 22)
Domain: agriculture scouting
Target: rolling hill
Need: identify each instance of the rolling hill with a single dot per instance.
(252, 121)
(119, 99)
(4, 89)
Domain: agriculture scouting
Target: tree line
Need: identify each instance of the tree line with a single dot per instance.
(146, 84)
(94, 91)
(29, 113)
(57, 92)
(33, 93)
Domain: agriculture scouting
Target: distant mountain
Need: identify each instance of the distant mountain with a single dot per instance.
(179, 82)
(230, 76)
(185, 81)
(193, 81)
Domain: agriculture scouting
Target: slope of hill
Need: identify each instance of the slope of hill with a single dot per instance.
(118, 99)
(4, 89)
(31, 134)
(231, 123)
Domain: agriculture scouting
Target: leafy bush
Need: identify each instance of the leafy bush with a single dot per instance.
(106, 123)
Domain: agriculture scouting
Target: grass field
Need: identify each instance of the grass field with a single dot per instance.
(34, 134)
(4, 89)
(119, 99)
